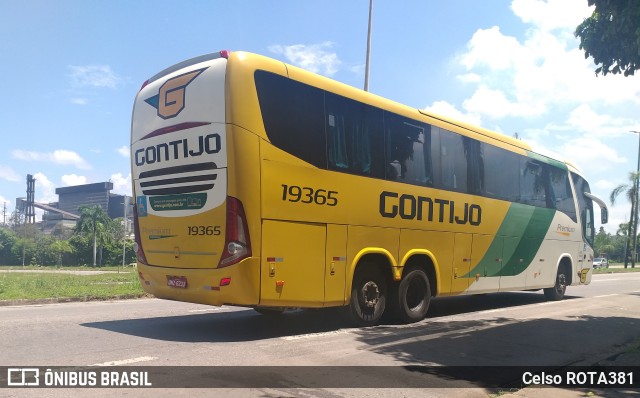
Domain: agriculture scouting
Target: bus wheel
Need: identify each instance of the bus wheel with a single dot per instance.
(414, 295)
(368, 296)
(556, 292)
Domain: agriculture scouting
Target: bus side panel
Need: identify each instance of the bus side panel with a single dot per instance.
(336, 265)
(462, 264)
(292, 264)
(512, 277)
(486, 252)
(542, 270)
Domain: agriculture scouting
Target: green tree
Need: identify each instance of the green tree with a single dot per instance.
(93, 221)
(611, 35)
(630, 192)
(24, 248)
(25, 244)
(604, 244)
(7, 240)
(623, 229)
(61, 247)
(81, 249)
(44, 253)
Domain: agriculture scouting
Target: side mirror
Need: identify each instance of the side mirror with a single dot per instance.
(604, 212)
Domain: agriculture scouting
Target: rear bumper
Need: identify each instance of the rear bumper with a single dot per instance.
(204, 285)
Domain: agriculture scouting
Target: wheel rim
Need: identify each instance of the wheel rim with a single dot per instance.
(562, 284)
(370, 294)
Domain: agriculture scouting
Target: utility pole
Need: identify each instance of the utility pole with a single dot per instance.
(4, 215)
(366, 68)
(30, 212)
(636, 185)
(124, 235)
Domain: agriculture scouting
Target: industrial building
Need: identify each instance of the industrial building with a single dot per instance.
(65, 211)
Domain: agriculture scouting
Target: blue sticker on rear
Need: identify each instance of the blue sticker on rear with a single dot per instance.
(141, 205)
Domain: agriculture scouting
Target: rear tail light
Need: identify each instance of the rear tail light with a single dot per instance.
(138, 243)
(237, 245)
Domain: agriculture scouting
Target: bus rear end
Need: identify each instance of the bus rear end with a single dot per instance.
(192, 239)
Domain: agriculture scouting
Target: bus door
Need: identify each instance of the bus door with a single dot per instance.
(293, 264)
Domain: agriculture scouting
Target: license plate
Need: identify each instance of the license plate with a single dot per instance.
(177, 281)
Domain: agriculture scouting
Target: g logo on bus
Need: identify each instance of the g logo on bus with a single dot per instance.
(170, 99)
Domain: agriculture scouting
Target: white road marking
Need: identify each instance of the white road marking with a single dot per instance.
(212, 309)
(314, 335)
(125, 361)
(608, 280)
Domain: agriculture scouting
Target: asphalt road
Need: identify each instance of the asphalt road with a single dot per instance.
(504, 329)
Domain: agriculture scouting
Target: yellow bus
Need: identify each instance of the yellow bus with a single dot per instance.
(262, 185)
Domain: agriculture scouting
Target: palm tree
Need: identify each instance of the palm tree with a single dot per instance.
(623, 229)
(92, 221)
(630, 192)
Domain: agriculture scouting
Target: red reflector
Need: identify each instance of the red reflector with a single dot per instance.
(225, 54)
(225, 281)
(279, 283)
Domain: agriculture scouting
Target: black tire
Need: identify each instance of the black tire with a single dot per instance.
(557, 292)
(270, 311)
(413, 296)
(368, 295)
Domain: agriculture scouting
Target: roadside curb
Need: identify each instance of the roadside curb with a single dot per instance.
(58, 300)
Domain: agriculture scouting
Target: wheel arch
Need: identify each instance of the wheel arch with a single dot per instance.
(565, 263)
(383, 260)
(424, 259)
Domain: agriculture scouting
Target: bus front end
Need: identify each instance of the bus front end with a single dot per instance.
(192, 238)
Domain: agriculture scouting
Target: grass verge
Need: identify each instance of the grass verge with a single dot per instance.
(43, 284)
(616, 270)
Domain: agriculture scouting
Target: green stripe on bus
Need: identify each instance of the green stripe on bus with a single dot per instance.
(516, 243)
(544, 159)
(529, 243)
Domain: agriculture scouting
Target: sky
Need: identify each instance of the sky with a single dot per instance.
(70, 70)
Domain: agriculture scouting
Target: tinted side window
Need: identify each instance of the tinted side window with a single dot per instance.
(409, 150)
(534, 182)
(293, 115)
(562, 192)
(502, 173)
(453, 162)
(354, 137)
(474, 153)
